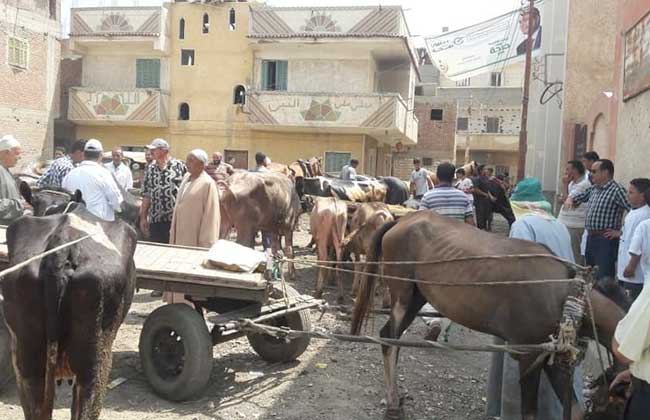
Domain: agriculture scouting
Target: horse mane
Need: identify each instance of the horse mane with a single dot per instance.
(613, 291)
(52, 189)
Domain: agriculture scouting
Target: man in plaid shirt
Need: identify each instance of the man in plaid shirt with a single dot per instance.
(54, 175)
(607, 203)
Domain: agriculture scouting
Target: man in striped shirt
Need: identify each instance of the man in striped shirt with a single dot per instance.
(446, 200)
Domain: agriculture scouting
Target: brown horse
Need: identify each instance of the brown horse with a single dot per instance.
(519, 314)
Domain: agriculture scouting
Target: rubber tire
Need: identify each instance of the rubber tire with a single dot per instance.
(198, 351)
(273, 350)
(6, 365)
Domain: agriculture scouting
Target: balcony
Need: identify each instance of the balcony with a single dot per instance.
(487, 142)
(385, 117)
(132, 26)
(138, 107)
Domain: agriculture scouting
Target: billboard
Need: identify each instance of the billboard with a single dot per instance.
(479, 48)
(637, 59)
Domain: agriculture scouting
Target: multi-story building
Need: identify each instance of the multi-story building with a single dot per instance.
(123, 98)
(29, 63)
(242, 77)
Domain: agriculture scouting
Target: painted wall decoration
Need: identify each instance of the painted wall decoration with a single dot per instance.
(637, 59)
(320, 22)
(115, 23)
(144, 21)
(320, 111)
(138, 106)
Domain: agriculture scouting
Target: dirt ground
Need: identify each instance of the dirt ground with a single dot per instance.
(331, 380)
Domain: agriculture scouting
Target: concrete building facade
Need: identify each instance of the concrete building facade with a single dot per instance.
(242, 77)
(29, 69)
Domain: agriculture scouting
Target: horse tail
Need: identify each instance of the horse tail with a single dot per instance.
(367, 284)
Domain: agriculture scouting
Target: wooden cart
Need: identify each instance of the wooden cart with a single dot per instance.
(176, 340)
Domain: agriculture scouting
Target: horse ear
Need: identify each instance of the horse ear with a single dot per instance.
(77, 196)
(26, 191)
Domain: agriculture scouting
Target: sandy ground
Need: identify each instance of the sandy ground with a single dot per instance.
(331, 380)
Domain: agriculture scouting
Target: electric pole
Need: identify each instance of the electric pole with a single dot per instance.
(523, 133)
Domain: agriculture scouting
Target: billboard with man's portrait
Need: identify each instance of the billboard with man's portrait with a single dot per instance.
(637, 59)
(478, 48)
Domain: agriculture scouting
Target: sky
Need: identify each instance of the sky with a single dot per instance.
(424, 17)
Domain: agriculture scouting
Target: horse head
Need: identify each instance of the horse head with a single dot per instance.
(51, 200)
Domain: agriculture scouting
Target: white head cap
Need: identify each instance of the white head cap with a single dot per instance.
(200, 155)
(8, 142)
(93, 145)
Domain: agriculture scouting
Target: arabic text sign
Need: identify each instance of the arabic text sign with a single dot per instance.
(637, 59)
(478, 48)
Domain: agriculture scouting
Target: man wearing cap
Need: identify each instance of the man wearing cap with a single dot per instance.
(11, 203)
(120, 171)
(98, 188)
(160, 186)
(54, 175)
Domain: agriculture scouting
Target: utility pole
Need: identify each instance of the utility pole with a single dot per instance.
(523, 133)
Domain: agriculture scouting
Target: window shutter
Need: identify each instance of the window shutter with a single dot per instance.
(281, 75)
(265, 75)
(148, 73)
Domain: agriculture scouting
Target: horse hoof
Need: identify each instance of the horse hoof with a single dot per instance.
(395, 414)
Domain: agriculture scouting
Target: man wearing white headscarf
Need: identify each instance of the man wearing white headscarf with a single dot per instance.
(196, 216)
(11, 203)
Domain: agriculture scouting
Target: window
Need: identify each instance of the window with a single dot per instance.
(147, 72)
(232, 23)
(237, 158)
(462, 124)
(206, 24)
(274, 75)
(52, 9)
(18, 53)
(181, 29)
(184, 111)
(464, 82)
(436, 114)
(496, 79)
(239, 95)
(419, 91)
(427, 161)
(187, 57)
(492, 124)
(502, 170)
(335, 161)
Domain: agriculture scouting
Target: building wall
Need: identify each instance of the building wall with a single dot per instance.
(349, 76)
(115, 69)
(512, 76)
(632, 116)
(509, 118)
(28, 97)
(436, 139)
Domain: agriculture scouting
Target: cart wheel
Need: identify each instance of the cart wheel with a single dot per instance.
(176, 352)
(275, 350)
(6, 368)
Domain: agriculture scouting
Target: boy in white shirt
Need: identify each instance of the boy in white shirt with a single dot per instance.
(633, 280)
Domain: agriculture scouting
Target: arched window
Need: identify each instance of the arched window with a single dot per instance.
(183, 111)
(239, 95)
(181, 29)
(232, 20)
(206, 23)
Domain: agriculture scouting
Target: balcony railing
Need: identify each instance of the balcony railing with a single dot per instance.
(138, 107)
(384, 115)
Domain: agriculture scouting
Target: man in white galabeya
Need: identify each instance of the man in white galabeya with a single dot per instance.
(120, 171)
(98, 188)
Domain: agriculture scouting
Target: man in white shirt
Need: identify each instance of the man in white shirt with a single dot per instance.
(98, 188)
(349, 172)
(464, 183)
(576, 183)
(120, 171)
(421, 181)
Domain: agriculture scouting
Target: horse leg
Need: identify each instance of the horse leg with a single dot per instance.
(338, 249)
(529, 383)
(358, 269)
(407, 302)
(321, 251)
(561, 380)
(288, 251)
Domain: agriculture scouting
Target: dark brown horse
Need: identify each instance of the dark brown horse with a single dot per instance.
(517, 313)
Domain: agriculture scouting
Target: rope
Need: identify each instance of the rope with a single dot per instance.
(246, 325)
(457, 284)
(578, 267)
(593, 327)
(28, 261)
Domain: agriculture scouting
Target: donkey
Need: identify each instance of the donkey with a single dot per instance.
(517, 313)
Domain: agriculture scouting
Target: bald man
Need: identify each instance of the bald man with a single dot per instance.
(120, 171)
(218, 169)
